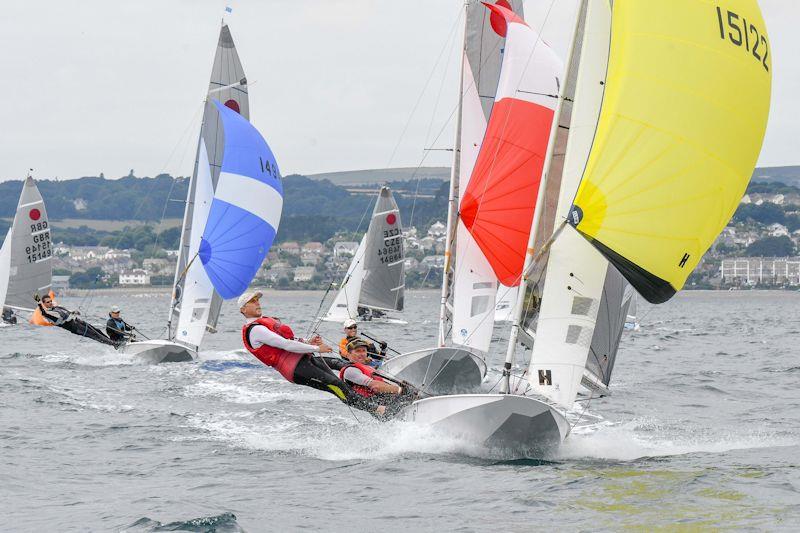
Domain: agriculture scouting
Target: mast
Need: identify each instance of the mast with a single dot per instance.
(537, 215)
(452, 198)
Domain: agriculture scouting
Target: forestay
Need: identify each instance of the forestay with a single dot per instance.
(246, 210)
(26, 256)
(679, 132)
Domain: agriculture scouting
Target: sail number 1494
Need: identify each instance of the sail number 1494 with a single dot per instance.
(738, 31)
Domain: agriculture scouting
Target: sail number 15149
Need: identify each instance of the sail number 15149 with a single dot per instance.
(738, 31)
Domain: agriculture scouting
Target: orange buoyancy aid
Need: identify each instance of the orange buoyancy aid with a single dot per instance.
(367, 371)
(281, 360)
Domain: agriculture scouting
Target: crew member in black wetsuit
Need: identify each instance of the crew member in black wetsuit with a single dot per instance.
(117, 329)
(68, 320)
(273, 343)
(8, 316)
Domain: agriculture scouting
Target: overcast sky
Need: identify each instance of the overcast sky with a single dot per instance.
(107, 86)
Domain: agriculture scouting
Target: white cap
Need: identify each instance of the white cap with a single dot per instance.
(247, 296)
(349, 323)
(115, 309)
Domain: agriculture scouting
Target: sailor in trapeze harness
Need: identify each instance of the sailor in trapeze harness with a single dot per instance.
(68, 320)
(298, 361)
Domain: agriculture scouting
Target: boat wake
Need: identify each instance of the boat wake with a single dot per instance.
(332, 438)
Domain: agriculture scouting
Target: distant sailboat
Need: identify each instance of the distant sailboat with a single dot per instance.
(26, 266)
(195, 305)
(659, 163)
(374, 284)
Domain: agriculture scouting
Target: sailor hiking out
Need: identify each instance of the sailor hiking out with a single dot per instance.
(273, 343)
(68, 320)
(368, 383)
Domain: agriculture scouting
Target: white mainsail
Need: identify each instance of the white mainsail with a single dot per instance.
(469, 285)
(345, 305)
(375, 278)
(26, 256)
(197, 288)
(584, 300)
(194, 299)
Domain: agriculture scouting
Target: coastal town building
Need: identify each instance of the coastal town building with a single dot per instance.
(761, 271)
(136, 276)
(304, 273)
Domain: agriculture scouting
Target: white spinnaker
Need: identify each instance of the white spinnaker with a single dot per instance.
(345, 305)
(197, 288)
(576, 272)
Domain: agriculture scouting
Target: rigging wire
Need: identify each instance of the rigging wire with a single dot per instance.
(89, 296)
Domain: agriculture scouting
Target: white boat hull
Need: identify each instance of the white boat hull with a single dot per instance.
(438, 370)
(159, 351)
(504, 424)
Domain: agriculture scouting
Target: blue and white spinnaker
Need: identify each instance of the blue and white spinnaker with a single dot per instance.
(246, 209)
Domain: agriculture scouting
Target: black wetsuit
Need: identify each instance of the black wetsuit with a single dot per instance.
(9, 316)
(64, 318)
(317, 372)
(117, 329)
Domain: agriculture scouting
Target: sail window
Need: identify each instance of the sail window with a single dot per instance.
(480, 304)
(483, 285)
(578, 335)
(581, 305)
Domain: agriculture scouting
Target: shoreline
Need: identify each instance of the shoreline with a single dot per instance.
(167, 290)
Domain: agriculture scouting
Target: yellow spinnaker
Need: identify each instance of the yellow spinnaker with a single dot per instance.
(680, 129)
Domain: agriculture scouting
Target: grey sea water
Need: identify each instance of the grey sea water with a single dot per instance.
(702, 432)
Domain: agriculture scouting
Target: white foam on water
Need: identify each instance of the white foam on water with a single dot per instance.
(234, 354)
(103, 357)
(643, 438)
(334, 438)
(236, 393)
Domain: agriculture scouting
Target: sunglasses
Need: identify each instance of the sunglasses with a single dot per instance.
(351, 327)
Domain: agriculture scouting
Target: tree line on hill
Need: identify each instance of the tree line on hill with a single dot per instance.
(312, 209)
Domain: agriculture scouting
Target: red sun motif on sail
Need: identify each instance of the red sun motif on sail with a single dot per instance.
(499, 24)
(233, 104)
(35, 214)
(391, 219)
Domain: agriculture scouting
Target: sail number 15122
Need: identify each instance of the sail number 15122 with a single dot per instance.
(738, 31)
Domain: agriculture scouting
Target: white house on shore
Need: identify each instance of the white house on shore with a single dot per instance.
(136, 276)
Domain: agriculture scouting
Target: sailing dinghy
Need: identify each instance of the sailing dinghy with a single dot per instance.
(660, 162)
(195, 305)
(26, 266)
(374, 284)
(491, 204)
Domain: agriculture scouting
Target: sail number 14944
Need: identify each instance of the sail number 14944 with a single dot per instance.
(739, 31)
